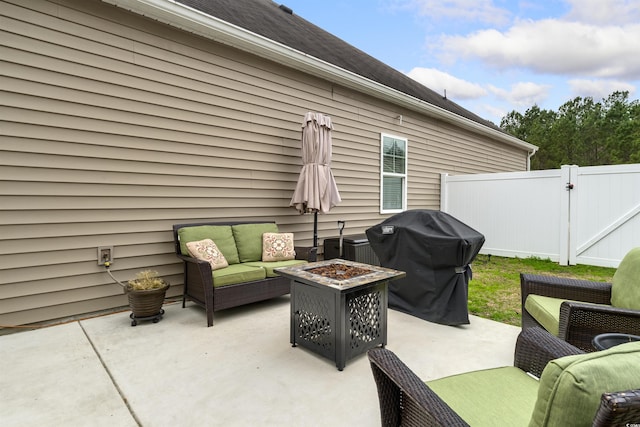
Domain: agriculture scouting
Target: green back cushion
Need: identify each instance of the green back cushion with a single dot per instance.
(222, 236)
(625, 290)
(249, 239)
(501, 396)
(571, 387)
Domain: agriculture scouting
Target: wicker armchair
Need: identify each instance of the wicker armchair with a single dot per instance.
(405, 400)
(579, 320)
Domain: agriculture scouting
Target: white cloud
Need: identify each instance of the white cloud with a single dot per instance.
(604, 12)
(553, 46)
(439, 81)
(523, 94)
(598, 89)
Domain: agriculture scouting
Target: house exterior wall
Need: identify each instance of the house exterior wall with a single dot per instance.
(114, 127)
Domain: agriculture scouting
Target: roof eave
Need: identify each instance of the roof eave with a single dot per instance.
(194, 21)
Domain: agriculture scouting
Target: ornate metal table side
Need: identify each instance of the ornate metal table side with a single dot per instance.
(339, 318)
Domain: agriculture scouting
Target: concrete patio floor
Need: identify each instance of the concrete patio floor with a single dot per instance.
(240, 372)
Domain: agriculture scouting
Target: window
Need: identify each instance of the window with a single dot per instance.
(393, 179)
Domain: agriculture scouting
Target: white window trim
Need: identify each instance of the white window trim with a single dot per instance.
(400, 175)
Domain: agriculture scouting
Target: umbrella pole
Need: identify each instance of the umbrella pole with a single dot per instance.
(315, 229)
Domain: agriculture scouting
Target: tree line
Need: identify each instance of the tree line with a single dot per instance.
(582, 132)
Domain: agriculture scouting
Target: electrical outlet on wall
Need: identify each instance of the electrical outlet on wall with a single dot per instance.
(105, 254)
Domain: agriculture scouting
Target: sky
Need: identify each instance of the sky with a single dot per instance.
(495, 56)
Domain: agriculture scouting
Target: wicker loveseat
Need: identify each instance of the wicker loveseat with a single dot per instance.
(575, 388)
(579, 310)
(246, 278)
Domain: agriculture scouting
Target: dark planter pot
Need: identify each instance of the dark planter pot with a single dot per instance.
(146, 304)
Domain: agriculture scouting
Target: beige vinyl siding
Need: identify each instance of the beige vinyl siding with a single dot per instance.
(113, 128)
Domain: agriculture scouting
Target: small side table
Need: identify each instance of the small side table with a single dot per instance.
(605, 341)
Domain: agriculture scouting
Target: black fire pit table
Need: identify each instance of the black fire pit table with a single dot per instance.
(339, 307)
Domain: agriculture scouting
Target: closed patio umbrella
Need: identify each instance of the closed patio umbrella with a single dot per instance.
(316, 190)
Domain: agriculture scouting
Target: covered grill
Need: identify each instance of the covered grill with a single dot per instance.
(435, 250)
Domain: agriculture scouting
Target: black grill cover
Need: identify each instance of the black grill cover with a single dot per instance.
(435, 250)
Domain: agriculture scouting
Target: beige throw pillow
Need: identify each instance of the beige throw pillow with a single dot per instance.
(277, 247)
(208, 251)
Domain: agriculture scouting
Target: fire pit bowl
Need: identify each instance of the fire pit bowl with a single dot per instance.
(339, 271)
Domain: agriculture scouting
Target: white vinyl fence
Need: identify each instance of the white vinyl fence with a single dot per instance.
(573, 215)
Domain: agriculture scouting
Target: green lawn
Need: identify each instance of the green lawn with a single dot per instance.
(494, 292)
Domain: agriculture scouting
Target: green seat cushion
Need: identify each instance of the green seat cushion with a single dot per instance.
(546, 311)
(501, 396)
(249, 239)
(237, 273)
(625, 289)
(571, 387)
(222, 236)
(270, 265)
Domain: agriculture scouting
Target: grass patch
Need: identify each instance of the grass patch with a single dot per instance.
(494, 291)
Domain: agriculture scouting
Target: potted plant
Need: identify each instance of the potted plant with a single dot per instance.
(146, 295)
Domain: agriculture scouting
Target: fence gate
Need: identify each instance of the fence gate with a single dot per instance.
(573, 215)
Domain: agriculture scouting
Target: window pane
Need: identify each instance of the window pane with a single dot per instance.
(387, 146)
(400, 157)
(387, 162)
(387, 155)
(392, 193)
